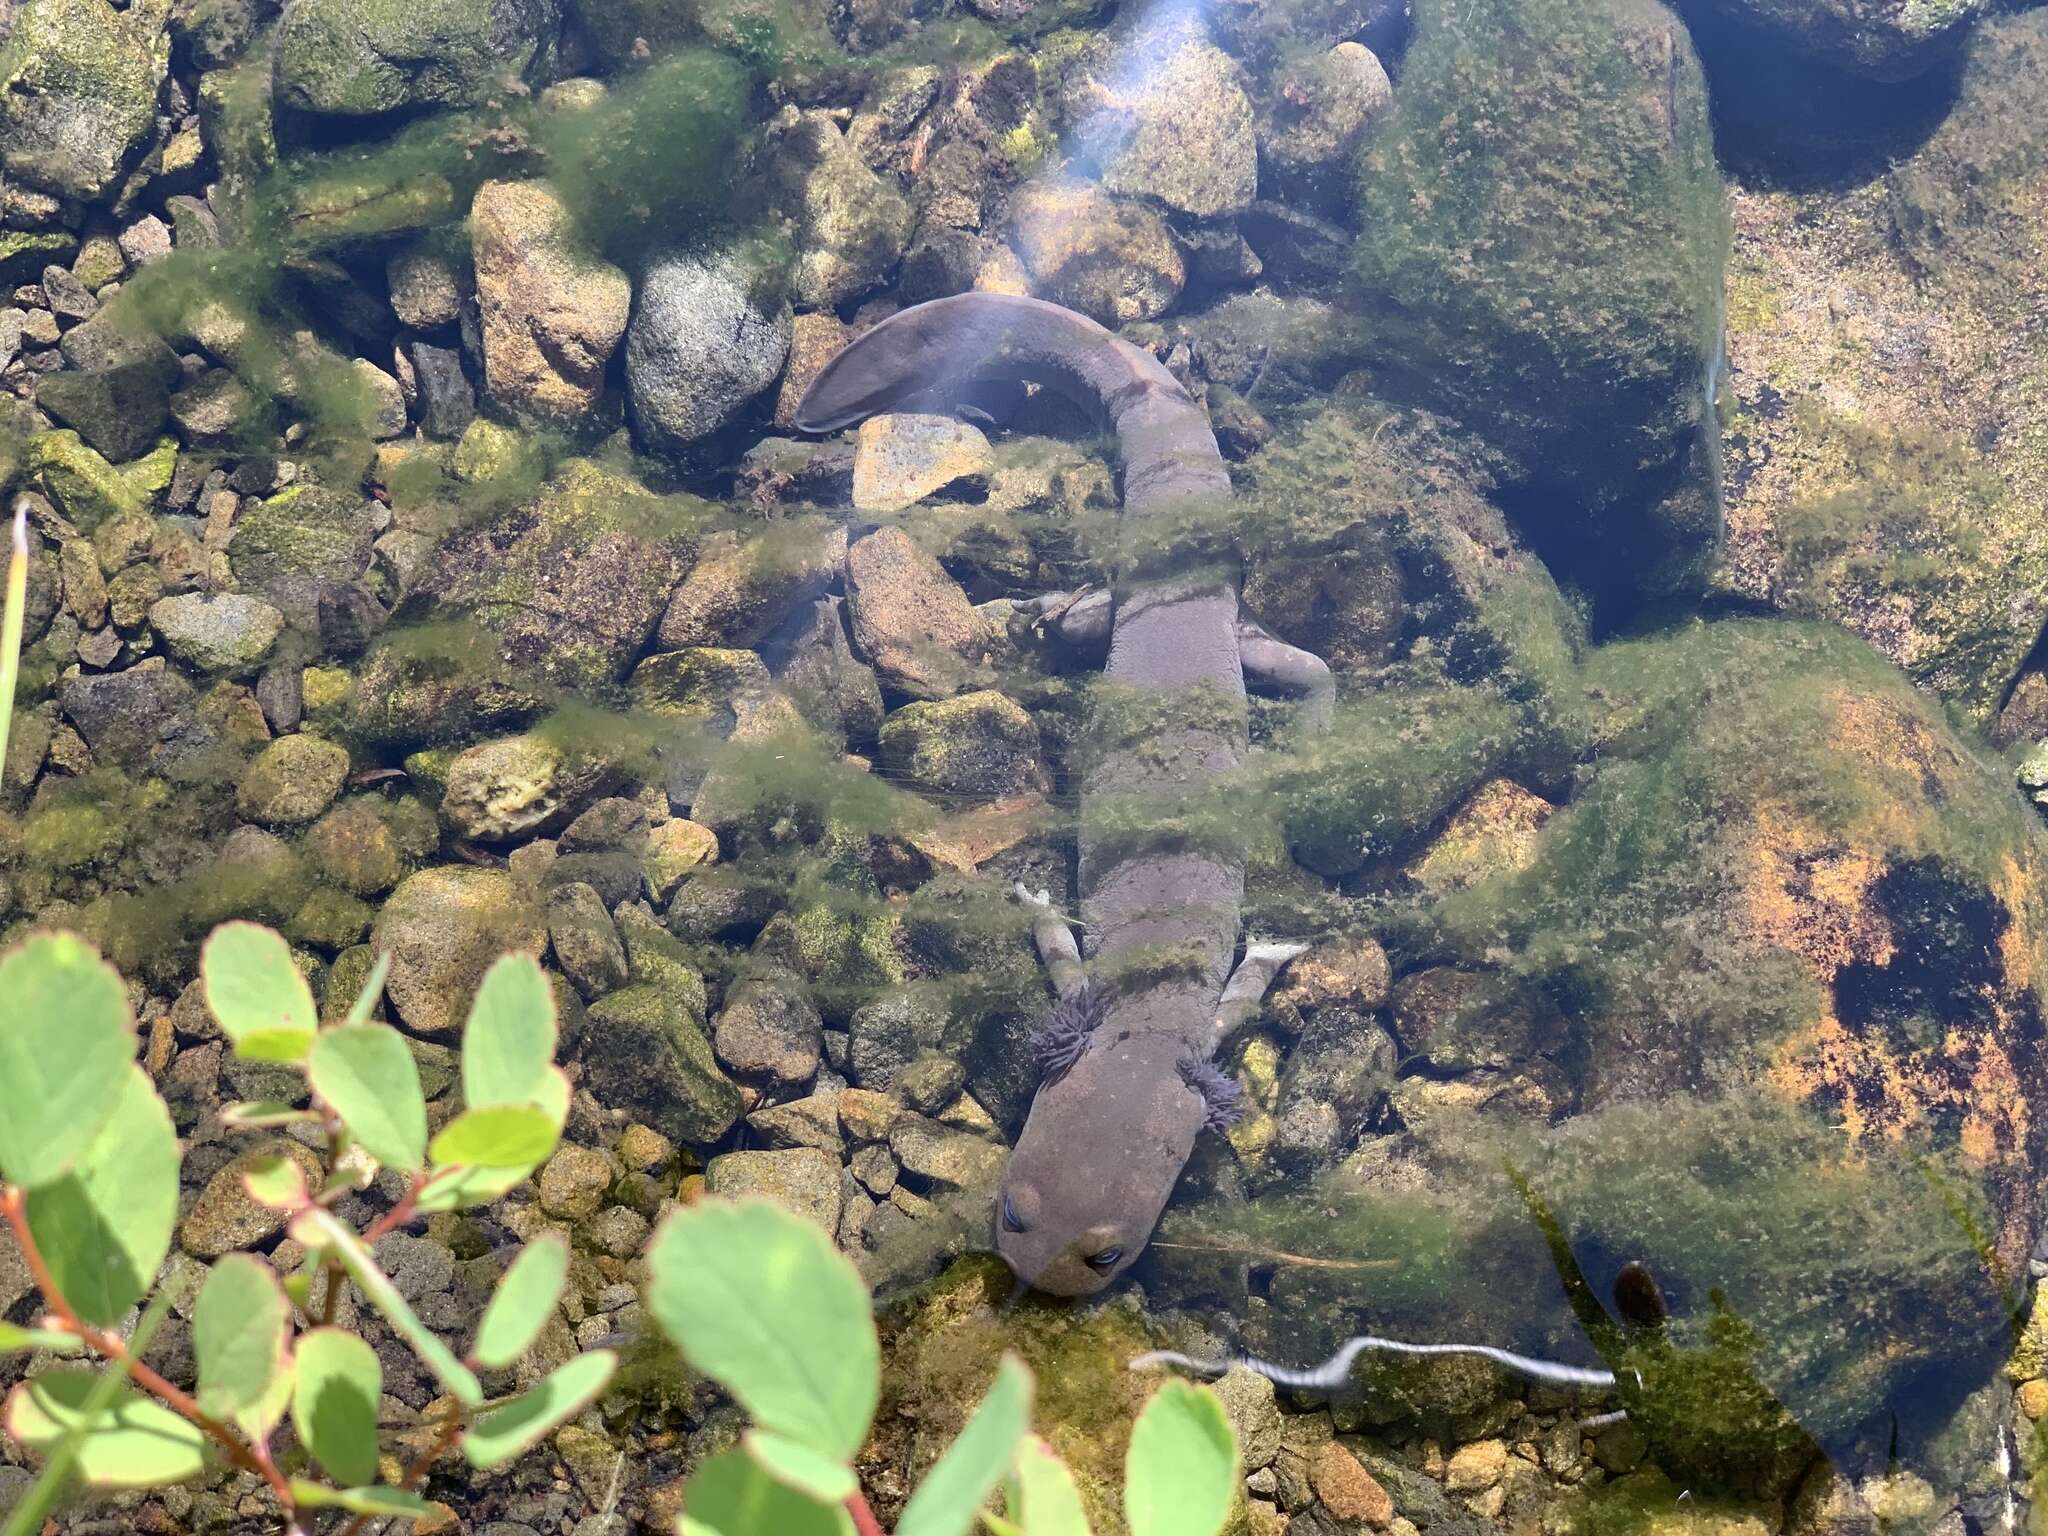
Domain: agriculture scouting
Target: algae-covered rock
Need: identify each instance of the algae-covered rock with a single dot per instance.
(85, 487)
(909, 618)
(78, 91)
(517, 786)
(442, 928)
(852, 223)
(1313, 117)
(1113, 259)
(978, 746)
(1789, 931)
(361, 58)
(552, 311)
(1901, 488)
(292, 781)
(645, 1056)
(800, 1179)
(704, 340)
(570, 583)
(117, 390)
(1181, 129)
(227, 632)
(1556, 156)
(289, 546)
(1877, 39)
(740, 589)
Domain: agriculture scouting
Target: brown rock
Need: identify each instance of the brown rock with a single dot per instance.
(813, 342)
(909, 618)
(1347, 1490)
(552, 312)
(1113, 259)
(899, 460)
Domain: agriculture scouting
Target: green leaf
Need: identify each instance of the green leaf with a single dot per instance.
(13, 1340)
(130, 1443)
(1180, 1473)
(66, 1042)
(497, 1136)
(277, 1183)
(761, 1301)
(367, 1075)
(520, 1306)
(373, 988)
(319, 1228)
(360, 1501)
(972, 1466)
(256, 994)
(264, 1115)
(731, 1495)
(29, 1510)
(508, 1043)
(511, 1428)
(799, 1467)
(451, 1189)
(239, 1328)
(105, 1227)
(1043, 1498)
(334, 1402)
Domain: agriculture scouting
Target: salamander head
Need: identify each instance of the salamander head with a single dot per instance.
(1098, 1157)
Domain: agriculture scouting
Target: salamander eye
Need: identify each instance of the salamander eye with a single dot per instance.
(1104, 1261)
(1010, 1220)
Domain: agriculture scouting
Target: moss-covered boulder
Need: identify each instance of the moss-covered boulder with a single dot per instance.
(571, 582)
(1902, 489)
(305, 537)
(979, 746)
(85, 487)
(1180, 129)
(1783, 953)
(1553, 160)
(517, 786)
(1877, 39)
(852, 225)
(646, 1056)
(360, 58)
(78, 91)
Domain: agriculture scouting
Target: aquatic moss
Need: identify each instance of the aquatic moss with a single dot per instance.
(1543, 235)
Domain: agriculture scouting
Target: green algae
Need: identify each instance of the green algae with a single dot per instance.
(1555, 157)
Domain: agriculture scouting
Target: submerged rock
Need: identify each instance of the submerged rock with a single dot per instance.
(646, 1056)
(517, 786)
(292, 781)
(909, 618)
(552, 312)
(1182, 131)
(361, 58)
(78, 91)
(703, 342)
(1113, 259)
(852, 223)
(1581, 336)
(228, 633)
(442, 928)
(1877, 39)
(899, 460)
(1889, 378)
(978, 746)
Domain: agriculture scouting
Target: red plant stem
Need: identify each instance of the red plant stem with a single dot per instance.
(864, 1521)
(399, 1214)
(14, 1205)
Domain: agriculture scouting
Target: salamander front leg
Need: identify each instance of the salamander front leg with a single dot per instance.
(1245, 993)
(1062, 1036)
(1272, 663)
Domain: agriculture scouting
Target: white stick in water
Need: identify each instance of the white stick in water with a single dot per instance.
(1334, 1372)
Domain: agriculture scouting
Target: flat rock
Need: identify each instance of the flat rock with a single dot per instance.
(899, 460)
(228, 632)
(799, 1179)
(909, 618)
(292, 781)
(443, 927)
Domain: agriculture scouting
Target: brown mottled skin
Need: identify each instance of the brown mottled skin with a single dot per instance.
(1105, 1142)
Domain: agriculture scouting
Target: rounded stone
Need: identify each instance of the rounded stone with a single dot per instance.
(292, 781)
(442, 928)
(700, 346)
(1111, 258)
(978, 746)
(225, 633)
(800, 1179)
(574, 1182)
(225, 1218)
(1184, 135)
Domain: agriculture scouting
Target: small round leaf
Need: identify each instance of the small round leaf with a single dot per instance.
(761, 1301)
(256, 993)
(239, 1328)
(130, 1443)
(367, 1075)
(511, 1428)
(334, 1402)
(497, 1136)
(523, 1302)
(1180, 1473)
(730, 1495)
(66, 1042)
(508, 1043)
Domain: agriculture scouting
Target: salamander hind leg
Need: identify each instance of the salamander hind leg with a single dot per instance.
(1245, 993)
(1270, 662)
